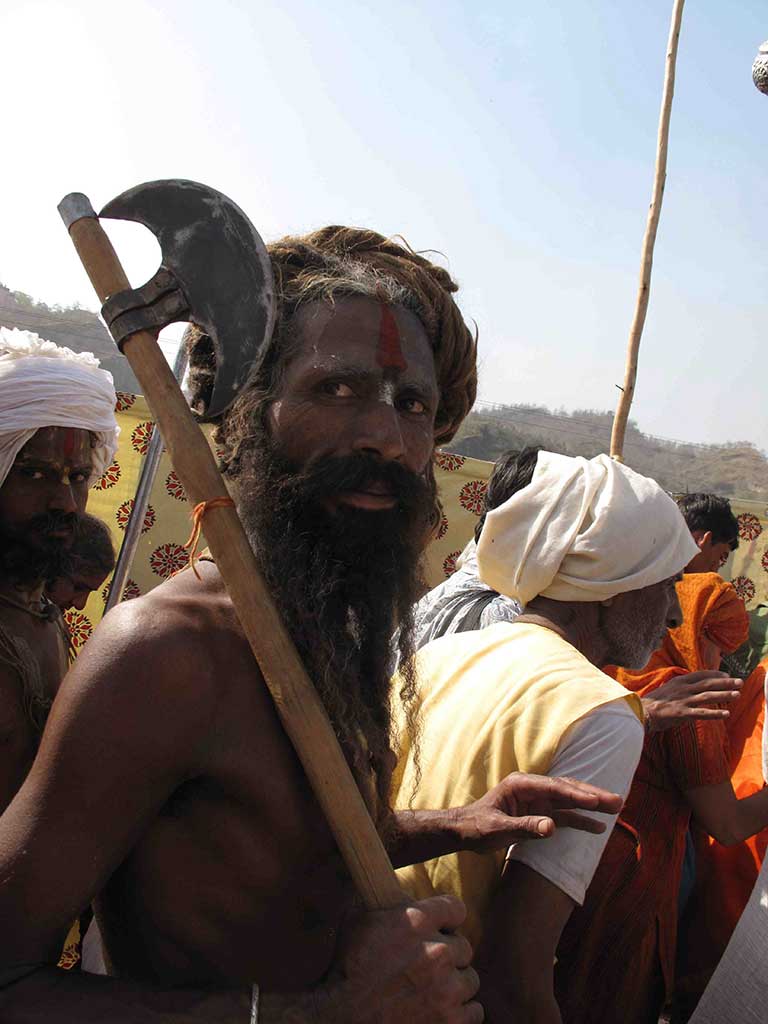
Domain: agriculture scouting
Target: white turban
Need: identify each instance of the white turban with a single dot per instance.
(583, 530)
(47, 385)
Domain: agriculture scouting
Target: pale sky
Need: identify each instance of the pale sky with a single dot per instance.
(516, 139)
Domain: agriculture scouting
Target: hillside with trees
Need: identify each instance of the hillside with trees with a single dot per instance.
(77, 328)
(737, 469)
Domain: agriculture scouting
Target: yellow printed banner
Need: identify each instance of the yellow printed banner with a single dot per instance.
(462, 481)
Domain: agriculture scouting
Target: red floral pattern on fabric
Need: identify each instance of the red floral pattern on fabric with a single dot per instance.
(749, 526)
(80, 627)
(449, 564)
(442, 528)
(124, 401)
(764, 561)
(174, 487)
(108, 478)
(123, 514)
(168, 559)
(449, 462)
(141, 435)
(471, 496)
(744, 587)
(70, 957)
(130, 590)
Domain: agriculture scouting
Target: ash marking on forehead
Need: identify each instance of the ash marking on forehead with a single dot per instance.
(387, 392)
(389, 354)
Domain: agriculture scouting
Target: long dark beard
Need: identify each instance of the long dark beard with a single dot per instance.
(33, 555)
(344, 581)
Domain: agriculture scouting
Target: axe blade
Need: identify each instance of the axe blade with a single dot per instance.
(221, 265)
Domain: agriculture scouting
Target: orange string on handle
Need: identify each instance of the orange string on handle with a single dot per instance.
(197, 526)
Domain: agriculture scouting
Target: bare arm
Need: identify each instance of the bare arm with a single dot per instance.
(521, 806)
(692, 696)
(726, 818)
(106, 765)
(517, 953)
(17, 745)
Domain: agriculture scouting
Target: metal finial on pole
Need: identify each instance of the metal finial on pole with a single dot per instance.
(646, 260)
(760, 69)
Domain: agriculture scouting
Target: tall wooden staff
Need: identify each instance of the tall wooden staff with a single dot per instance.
(646, 258)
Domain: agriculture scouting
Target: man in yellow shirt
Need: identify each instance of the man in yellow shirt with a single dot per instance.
(592, 551)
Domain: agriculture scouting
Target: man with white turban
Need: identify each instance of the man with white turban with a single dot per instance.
(57, 435)
(592, 551)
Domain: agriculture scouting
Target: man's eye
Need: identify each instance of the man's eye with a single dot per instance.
(30, 474)
(413, 405)
(336, 389)
(78, 478)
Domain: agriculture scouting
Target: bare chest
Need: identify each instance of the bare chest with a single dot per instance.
(237, 878)
(34, 648)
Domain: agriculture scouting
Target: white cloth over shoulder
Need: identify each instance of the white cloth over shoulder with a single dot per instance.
(47, 385)
(738, 990)
(583, 530)
(460, 603)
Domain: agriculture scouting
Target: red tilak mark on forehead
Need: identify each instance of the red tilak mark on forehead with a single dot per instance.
(389, 355)
(69, 442)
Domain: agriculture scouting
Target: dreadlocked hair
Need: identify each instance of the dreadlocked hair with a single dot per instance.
(329, 264)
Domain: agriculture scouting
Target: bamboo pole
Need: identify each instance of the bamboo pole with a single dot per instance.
(652, 225)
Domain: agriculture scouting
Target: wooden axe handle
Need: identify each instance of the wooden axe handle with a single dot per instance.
(298, 705)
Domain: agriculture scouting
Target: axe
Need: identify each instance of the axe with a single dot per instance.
(216, 273)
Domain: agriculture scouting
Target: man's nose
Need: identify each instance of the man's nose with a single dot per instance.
(377, 432)
(675, 612)
(62, 498)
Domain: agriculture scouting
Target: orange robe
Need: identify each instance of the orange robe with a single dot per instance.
(616, 954)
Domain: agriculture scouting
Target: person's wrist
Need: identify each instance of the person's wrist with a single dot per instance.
(649, 714)
(458, 825)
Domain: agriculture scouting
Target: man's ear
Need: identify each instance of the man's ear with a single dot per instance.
(703, 539)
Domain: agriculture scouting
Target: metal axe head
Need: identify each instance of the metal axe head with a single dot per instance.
(222, 267)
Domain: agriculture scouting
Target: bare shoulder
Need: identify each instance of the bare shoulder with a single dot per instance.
(166, 650)
(184, 608)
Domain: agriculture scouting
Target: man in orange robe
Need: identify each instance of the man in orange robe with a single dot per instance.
(616, 956)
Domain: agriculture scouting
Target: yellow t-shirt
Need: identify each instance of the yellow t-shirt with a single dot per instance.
(492, 702)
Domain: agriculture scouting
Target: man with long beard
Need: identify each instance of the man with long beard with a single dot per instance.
(165, 786)
(57, 432)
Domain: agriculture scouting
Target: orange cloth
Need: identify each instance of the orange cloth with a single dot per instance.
(725, 875)
(616, 956)
(711, 608)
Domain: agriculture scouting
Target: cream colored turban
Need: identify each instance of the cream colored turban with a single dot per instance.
(583, 530)
(47, 385)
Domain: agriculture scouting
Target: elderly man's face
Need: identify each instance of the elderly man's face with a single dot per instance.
(635, 623)
(363, 381)
(45, 489)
